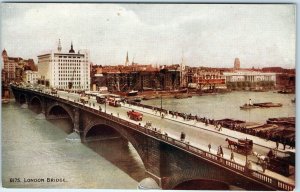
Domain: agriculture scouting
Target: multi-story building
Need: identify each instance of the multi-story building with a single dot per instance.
(249, 79)
(65, 70)
(285, 78)
(14, 67)
(30, 76)
(136, 77)
(204, 78)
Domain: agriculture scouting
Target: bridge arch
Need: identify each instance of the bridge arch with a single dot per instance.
(35, 98)
(60, 106)
(36, 102)
(123, 133)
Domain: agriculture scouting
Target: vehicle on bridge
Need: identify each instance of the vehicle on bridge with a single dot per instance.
(134, 115)
(100, 99)
(53, 91)
(114, 103)
(84, 99)
(281, 164)
(243, 146)
(114, 100)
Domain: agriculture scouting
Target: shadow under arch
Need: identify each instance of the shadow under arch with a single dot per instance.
(61, 116)
(36, 104)
(117, 147)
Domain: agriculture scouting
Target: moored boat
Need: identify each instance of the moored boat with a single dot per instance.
(247, 106)
(132, 93)
(268, 104)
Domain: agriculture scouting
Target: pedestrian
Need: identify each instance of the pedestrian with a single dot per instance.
(221, 151)
(118, 114)
(232, 156)
(277, 144)
(209, 146)
(263, 166)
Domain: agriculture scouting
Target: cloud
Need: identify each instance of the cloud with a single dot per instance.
(208, 35)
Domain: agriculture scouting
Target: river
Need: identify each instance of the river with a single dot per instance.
(36, 149)
(33, 149)
(228, 105)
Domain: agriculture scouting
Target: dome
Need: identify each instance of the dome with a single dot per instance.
(148, 183)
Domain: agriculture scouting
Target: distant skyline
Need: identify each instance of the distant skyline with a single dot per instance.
(211, 35)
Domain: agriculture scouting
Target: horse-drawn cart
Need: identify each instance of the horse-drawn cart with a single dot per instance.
(243, 146)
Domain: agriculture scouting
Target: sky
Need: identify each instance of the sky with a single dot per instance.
(208, 35)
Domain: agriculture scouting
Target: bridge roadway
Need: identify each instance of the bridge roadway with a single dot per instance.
(197, 134)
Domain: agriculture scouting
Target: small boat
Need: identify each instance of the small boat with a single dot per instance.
(288, 91)
(132, 93)
(247, 106)
(282, 121)
(268, 104)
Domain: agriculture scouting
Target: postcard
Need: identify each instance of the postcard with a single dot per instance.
(148, 96)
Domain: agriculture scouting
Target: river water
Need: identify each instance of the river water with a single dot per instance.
(228, 105)
(36, 149)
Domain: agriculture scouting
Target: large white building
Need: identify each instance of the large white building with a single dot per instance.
(60, 70)
(250, 76)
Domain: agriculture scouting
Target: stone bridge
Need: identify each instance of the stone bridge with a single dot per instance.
(168, 161)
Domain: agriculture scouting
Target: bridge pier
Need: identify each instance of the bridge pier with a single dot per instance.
(75, 136)
(148, 183)
(41, 116)
(24, 105)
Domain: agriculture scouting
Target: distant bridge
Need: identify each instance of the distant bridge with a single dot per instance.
(169, 161)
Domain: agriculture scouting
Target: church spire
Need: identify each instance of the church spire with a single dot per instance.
(127, 60)
(59, 46)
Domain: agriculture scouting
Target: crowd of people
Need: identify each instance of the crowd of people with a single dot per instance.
(226, 123)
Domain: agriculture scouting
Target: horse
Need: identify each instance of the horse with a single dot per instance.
(261, 158)
(230, 143)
